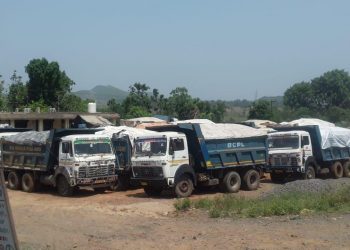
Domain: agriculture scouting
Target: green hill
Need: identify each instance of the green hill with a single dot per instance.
(102, 94)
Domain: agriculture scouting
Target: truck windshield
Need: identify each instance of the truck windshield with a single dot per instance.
(92, 147)
(150, 146)
(284, 142)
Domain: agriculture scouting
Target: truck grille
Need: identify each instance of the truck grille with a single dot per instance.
(285, 161)
(151, 172)
(95, 171)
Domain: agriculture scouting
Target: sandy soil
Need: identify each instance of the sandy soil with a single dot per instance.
(131, 220)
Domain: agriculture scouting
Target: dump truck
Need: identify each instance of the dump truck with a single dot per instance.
(122, 138)
(63, 158)
(7, 131)
(185, 156)
(306, 151)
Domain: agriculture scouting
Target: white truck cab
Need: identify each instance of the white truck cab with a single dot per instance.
(156, 159)
(86, 158)
(288, 152)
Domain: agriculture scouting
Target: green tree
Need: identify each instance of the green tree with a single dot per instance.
(2, 94)
(115, 107)
(47, 82)
(332, 89)
(33, 105)
(261, 110)
(158, 102)
(138, 97)
(137, 111)
(212, 110)
(181, 104)
(73, 103)
(17, 95)
(298, 96)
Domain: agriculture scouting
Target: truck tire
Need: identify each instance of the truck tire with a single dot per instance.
(122, 184)
(251, 179)
(277, 178)
(310, 173)
(153, 191)
(231, 182)
(28, 183)
(346, 168)
(184, 186)
(63, 187)
(14, 180)
(337, 170)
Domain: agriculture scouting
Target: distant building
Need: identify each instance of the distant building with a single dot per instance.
(40, 121)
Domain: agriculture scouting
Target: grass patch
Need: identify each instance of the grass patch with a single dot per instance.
(287, 204)
(182, 204)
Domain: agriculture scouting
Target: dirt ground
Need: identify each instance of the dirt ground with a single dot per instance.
(131, 220)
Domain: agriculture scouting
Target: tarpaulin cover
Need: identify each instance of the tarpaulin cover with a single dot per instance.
(334, 137)
(308, 121)
(228, 131)
(331, 136)
(29, 138)
(125, 130)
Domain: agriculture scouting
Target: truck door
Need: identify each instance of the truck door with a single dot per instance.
(306, 146)
(66, 154)
(178, 151)
(122, 149)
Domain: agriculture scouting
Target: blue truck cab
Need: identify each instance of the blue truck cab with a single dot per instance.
(181, 158)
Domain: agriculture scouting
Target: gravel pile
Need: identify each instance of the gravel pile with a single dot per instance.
(311, 186)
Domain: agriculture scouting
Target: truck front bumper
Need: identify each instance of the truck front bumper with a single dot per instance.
(283, 169)
(96, 181)
(156, 182)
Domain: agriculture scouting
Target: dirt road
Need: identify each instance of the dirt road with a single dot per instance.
(130, 220)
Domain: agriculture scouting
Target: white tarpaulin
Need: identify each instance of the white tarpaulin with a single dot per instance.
(228, 131)
(199, 121)
(308, 121)
(29, 138)
(125, 130)
(334, 137)
(331, 136)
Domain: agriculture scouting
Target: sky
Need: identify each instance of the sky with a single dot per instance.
(220, 49)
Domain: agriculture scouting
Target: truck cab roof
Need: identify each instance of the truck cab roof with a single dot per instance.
(289, 133)
(162, 134)
(83, 136)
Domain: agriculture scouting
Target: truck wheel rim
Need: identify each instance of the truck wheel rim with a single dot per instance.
(252, 179)
(233, 181)
(184, 187)
(338, 170)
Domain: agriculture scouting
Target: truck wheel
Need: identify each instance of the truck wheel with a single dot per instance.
(153, 191)
(251, 179)
(277, 178)
(346, 168)
(121, 184)
(13, 180)
(231, 182)
(28, 183)
(63, 187)
(309, 173)
(184, 187)
(337, 170)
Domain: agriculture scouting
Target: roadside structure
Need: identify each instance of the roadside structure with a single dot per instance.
(40, 121)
